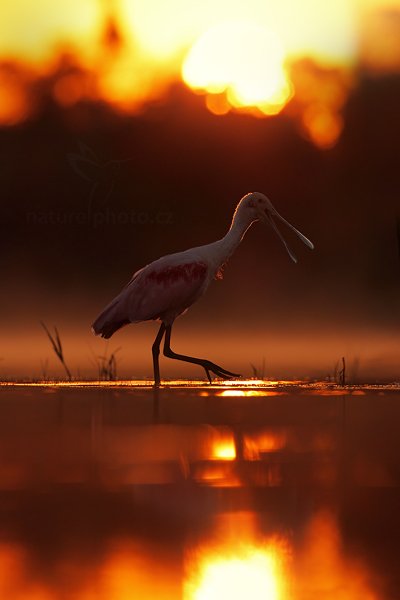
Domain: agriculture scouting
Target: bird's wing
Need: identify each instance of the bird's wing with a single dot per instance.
(134, 276)
(164, 289)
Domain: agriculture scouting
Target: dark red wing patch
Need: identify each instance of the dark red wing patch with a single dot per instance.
(188, 272)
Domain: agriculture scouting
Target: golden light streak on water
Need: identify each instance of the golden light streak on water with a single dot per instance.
(252, 573)
(264, 388)
(246, 383)
(237, 563)
(332, 573)
(16, 580)
(253, 382)
(224, 448)
(234, 561)
(219, 475)
(130, 571)
(231, 393)
(247, 393)
(264, 441)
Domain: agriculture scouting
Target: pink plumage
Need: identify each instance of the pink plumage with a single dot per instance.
(162, 290)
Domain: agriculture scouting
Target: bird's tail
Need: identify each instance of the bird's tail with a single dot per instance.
(110, 320)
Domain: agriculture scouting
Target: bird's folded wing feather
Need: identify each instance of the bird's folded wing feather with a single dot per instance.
(161, 289)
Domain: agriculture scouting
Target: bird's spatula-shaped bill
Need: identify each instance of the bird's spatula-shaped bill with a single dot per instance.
(272, 212)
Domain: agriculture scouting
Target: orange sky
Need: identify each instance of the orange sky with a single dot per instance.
(239, 55)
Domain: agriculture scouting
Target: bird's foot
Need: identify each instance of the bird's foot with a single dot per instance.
(218, 371)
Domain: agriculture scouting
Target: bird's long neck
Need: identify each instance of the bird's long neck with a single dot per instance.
(228, 244)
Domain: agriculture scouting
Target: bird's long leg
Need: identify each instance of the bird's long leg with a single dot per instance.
(206, 364)
(156, 352)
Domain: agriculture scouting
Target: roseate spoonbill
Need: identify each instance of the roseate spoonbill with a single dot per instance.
(166, 288)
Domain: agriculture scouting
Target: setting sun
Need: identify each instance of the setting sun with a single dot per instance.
(243, 60)
(253, 57)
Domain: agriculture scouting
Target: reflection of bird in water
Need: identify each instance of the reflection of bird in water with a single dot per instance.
(102, 176)
(166, 288)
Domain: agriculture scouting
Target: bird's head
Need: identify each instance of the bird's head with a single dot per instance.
(260, 208)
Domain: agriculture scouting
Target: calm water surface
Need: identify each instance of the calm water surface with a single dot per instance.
(199, 492)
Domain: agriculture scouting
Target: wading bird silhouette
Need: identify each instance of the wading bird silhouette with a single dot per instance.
(167, 287)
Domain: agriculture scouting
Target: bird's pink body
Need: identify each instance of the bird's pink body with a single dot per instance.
(162, 290)
(165, 291)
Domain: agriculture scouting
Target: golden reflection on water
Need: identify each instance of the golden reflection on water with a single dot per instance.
(224, 448)
(276, 469)
(239, 387)
(236, 562)
(219, 475)
(255, 444)
(247, 393)
(234, 559)
(128, 570)
(147, 383)
(249, 572)
(324, 570)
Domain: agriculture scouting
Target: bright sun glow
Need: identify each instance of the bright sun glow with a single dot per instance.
(241, 55)
(243, 60)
